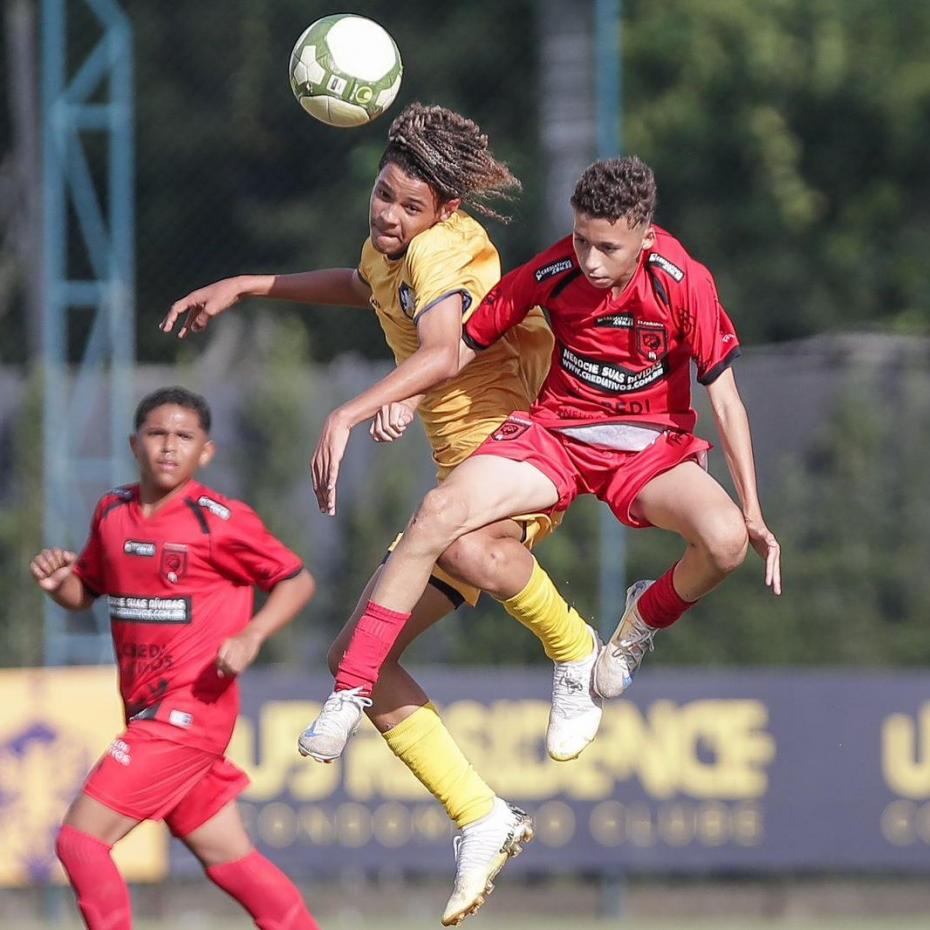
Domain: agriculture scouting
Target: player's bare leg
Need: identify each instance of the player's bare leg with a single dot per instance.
(496, 562)
(89, 816)
(689, 502)
(233, 864)
(481, 491)
(492, 830)
(223, 838)
(87, 834)
(486, 486)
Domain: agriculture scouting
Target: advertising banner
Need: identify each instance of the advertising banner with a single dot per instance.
(695, 771)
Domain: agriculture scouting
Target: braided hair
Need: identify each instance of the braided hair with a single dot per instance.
(451, 154)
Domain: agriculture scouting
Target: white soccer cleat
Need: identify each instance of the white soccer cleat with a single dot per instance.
(326, 738)
(623, 654)
(480, 853)
(576, 709)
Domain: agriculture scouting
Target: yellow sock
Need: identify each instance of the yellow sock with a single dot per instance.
(426, 747)
(543, 611)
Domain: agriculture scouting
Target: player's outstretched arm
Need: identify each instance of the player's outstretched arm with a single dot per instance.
(736, 440)
(287, 599)
(53, 570)
(341, 287)
(434, 362)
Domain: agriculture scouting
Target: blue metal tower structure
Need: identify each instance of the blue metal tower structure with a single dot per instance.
(88, 311)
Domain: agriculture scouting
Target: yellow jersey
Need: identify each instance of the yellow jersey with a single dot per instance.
(457, 257)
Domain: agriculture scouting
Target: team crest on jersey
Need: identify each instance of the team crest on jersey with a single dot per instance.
(552, 269)
(510, 429)
(651, 339)
(408, 300)
(173, 562)
(668, 267)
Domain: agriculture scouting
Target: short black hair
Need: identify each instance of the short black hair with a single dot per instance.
(178, 396)
(617, 187)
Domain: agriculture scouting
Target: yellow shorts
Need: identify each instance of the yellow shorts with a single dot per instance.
(536, 527)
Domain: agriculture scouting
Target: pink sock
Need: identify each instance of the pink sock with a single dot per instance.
(265, 892)
(373, 639)
(102, 895)
(662, 605)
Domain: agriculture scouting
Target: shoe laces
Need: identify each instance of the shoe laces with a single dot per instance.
(635, 642)
(476, 844)
(337, 702)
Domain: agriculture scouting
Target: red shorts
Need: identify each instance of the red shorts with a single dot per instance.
(575, 467)
(147, 777)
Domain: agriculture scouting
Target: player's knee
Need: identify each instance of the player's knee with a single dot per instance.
(474, 561)
(727, 542)
(73, 846)
(439, 518)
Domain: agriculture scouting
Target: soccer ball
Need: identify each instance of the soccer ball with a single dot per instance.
(345, 70)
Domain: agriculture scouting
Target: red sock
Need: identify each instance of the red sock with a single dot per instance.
(662, 605)
(265, 892)
(374, 637)
(102, 895)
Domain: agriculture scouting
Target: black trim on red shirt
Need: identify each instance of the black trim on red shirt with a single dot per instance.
(573, 276)
(199, 514)
(119, 502)
(711, 376)
(659, 288)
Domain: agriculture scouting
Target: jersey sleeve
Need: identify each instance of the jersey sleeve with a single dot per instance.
(440, 272)
(91, 564)
(714, 343)
(245, 551)
(504, 307)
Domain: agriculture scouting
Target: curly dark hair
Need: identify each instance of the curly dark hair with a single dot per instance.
(450, 153)
(617, 187)
(179, 396)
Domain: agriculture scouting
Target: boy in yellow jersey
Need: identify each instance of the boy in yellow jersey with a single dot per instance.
(424, 268)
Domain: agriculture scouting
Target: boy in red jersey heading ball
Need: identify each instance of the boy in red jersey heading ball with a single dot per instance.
(630, 310)
(178, 563)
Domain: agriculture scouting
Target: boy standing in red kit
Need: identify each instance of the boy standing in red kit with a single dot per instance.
(178, 563)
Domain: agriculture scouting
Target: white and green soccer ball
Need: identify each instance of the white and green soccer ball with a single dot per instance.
(345, 70)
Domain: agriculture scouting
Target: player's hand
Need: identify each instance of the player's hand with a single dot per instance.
(237, 654)
(201, 306)
(327, 457)
(764, 542)
(391, 422)
(51, 567)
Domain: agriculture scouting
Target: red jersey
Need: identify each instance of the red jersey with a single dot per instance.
(178, 584)
(623, 359)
